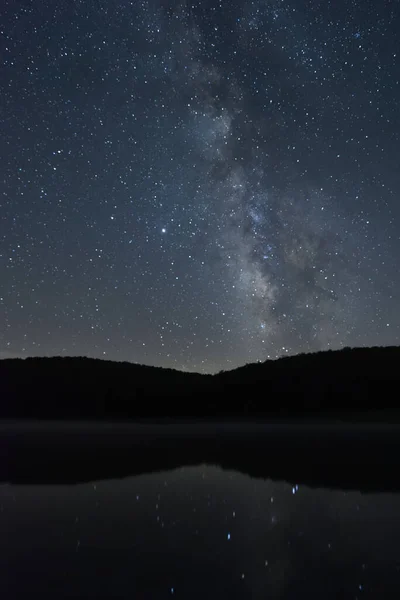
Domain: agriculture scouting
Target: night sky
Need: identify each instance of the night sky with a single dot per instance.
(198, 185)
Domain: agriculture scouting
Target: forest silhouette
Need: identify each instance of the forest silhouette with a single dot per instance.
(329, 384)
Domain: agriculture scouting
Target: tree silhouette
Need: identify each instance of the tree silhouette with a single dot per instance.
(325, 384)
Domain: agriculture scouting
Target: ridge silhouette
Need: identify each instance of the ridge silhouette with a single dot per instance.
(329, 384)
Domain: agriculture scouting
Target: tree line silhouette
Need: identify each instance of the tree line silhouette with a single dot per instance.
(328, 384)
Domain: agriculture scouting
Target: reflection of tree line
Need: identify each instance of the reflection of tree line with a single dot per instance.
(324, 383)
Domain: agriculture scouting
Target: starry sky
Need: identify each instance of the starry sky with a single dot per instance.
(198, 185)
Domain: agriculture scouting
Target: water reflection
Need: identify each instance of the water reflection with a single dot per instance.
(197, 532)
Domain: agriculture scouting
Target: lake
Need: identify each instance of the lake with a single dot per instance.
(107, 511)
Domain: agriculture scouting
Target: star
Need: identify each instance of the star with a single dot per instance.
(241, 169)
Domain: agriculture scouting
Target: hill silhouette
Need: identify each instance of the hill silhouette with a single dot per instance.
(341, 383)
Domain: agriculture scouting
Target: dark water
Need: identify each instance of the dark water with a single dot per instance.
(190, 532)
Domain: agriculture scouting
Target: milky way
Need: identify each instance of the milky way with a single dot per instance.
(198, 186)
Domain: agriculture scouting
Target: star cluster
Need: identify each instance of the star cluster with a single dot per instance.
(198, 185)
